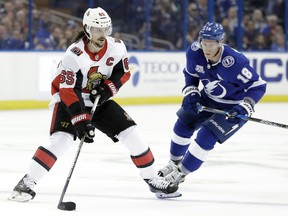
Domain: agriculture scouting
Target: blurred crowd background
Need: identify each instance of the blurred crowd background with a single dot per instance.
(168, 25)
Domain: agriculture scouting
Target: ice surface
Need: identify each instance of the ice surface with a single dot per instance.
(247, 175)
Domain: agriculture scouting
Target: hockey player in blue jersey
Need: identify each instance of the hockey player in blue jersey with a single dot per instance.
(228, 83)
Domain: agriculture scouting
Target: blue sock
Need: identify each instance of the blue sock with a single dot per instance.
(181, 130)
(191, 163)
(206, 141)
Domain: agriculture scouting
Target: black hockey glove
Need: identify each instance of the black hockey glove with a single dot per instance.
(191, 98)
(245, 108)
(106, 90)
(83, 126)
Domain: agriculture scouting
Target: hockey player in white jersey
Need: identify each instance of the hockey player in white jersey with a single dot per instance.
(94, 63)
(228, 83)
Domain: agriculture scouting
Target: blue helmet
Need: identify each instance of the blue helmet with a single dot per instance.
(212, 31)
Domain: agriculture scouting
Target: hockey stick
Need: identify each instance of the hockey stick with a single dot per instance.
(202, 108)
(69, 206)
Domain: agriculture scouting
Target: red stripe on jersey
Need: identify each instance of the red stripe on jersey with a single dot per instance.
(125, 77)
(144, 160)
(53, 118)
(55, 85)
(68, 96)
(45, 158)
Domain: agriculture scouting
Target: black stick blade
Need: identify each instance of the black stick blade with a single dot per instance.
(67, 206)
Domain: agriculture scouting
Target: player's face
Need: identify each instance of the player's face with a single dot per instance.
(99, 35)
(210, 48)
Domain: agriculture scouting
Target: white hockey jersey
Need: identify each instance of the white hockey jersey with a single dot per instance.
(80, 69)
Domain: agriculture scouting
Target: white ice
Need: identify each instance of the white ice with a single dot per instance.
(247, 175)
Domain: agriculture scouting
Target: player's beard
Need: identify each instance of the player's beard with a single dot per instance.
(98, 45)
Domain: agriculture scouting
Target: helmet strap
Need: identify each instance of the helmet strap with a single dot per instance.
(219, 46)
(88, 35)
(217, 52)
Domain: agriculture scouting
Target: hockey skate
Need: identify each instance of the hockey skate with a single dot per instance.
(175, 177)
(163, 188)
(23, 192)
(169, 168)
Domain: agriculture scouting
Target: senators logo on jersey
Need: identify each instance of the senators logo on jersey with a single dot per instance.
(94, 78)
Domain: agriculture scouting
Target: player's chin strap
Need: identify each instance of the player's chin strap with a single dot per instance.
(202, 108)
(217, 51)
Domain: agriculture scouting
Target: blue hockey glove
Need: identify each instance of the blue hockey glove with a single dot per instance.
(191, 98)
(245, 108)
(106, 90)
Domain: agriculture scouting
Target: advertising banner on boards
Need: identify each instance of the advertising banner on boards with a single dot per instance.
(159, 74)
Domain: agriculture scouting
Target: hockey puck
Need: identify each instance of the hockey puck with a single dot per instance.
(67, 206)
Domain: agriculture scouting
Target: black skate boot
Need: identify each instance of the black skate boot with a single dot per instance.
(163, 188)
(159, 184)
(23, 192)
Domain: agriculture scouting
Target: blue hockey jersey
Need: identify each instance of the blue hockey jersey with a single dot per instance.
(226, 82)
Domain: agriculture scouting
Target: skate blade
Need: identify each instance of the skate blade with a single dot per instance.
(16, 196)
(166, 196)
